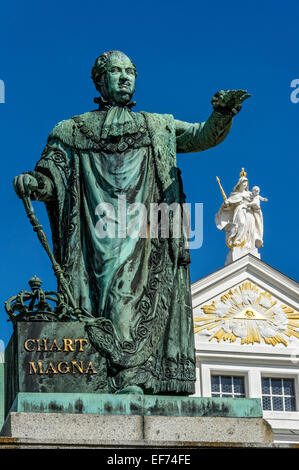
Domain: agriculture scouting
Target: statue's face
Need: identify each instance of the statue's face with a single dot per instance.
(120, 78)
(243, 186)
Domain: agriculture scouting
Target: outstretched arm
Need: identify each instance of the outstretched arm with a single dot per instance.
(204, 135)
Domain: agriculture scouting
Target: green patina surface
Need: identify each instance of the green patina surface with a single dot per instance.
(145, 405)
(54, 362)
(40, 377)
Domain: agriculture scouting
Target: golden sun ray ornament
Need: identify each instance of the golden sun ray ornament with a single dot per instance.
(249, 314)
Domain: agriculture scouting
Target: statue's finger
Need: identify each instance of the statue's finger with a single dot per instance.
(231, 92)
(18, 185)
(245, 97)
(239, 93)
(226, 97)
(221, 102)
(218, 101)
(26, 184)
(235, 95)
(223, 93)
(236, 109)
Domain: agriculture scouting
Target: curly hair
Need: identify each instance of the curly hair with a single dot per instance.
(98, 72)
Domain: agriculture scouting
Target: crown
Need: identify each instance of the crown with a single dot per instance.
(37, 305)
(243, 173)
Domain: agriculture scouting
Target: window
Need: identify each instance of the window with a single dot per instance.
(227, 386)
(278, 394)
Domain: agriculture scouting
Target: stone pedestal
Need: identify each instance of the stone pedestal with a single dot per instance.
(126, 421)
(238, 252)
(124, 431)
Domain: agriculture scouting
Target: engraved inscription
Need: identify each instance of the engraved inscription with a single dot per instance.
(53, 368)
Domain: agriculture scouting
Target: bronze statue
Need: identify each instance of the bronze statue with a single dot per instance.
(133, 292)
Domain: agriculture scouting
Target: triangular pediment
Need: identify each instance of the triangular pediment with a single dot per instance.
(247, 302)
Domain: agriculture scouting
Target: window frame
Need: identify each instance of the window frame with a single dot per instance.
(233, 394)
(270, 375)
(212, 369)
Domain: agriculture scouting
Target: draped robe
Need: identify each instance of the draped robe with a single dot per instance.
(242, 221)
(136, 289)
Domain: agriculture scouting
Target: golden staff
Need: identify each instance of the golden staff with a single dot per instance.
(221, 188)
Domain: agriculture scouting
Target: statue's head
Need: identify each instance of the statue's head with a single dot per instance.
(255, 190)
(242, 185)
(114, 77)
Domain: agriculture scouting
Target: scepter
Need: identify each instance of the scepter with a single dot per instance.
(221, 188)
(45, 243)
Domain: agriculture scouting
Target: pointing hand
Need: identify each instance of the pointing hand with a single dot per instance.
(229, 101)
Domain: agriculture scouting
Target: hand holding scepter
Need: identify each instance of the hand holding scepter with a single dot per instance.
(25, 185)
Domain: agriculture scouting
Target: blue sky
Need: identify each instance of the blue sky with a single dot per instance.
(184, 53)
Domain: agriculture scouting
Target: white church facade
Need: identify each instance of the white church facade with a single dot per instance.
(246, 326)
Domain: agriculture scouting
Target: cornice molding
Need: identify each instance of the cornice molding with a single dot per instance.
(249, 266)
